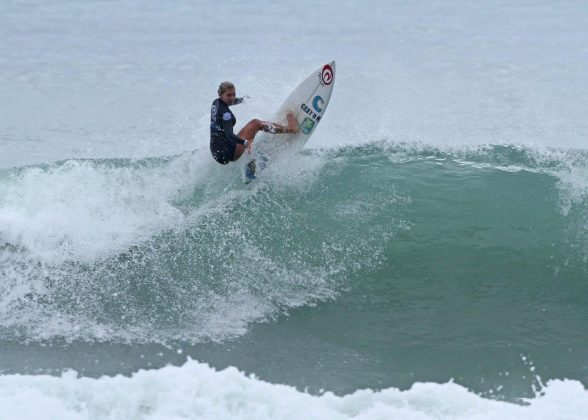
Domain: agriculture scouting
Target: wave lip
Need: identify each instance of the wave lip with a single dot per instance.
(195, 390)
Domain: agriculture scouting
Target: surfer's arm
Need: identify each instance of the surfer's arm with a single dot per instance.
(232, 137)
(240, 100)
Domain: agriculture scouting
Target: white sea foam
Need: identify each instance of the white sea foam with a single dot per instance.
(83, 210)
(57, 219)
(197, 391)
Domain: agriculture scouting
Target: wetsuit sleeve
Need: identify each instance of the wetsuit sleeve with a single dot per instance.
(239, 101)
(232, 137)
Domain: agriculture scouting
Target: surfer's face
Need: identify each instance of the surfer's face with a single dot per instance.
(228, 96)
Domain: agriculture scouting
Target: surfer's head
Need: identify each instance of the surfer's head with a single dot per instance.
(226, 91)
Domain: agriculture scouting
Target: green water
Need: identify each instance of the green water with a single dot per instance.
(362, 267)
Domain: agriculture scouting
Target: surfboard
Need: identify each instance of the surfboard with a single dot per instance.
(308, 102)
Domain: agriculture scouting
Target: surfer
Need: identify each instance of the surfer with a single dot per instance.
(227, 146)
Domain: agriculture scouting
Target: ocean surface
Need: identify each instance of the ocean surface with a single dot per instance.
(424, 256)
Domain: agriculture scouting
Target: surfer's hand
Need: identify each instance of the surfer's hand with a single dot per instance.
(249, 145)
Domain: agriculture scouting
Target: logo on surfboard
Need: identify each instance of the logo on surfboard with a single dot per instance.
(307, 125)
(309, 111)
(326, 75)
(317, 102)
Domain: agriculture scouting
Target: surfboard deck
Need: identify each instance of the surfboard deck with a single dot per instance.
(308, 103)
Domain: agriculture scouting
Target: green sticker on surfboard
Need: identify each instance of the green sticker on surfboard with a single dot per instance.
(307, 125)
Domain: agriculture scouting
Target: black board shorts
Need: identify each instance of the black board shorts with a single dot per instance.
(222, 150)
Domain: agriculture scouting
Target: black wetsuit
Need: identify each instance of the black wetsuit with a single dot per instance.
(223, 141)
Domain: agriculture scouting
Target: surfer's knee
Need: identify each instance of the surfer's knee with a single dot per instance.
(256, 123)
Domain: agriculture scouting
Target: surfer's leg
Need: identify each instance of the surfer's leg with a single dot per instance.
(239, 149)
(247, 133)
(254, 126)
(250, 129)
(275, 128)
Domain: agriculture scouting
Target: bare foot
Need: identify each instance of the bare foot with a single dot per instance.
(292, 123)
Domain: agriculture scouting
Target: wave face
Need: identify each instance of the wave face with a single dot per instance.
(120, 250)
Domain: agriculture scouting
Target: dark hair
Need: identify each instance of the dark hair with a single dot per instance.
(224, 86)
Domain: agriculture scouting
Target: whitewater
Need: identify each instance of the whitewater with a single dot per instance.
(197, 391)
(425, 255)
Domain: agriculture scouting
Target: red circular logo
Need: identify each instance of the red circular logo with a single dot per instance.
(327, 74)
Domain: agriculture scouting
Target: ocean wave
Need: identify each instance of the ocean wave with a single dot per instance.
(177, 248)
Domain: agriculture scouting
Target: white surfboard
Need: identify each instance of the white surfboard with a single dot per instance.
(308, 102)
